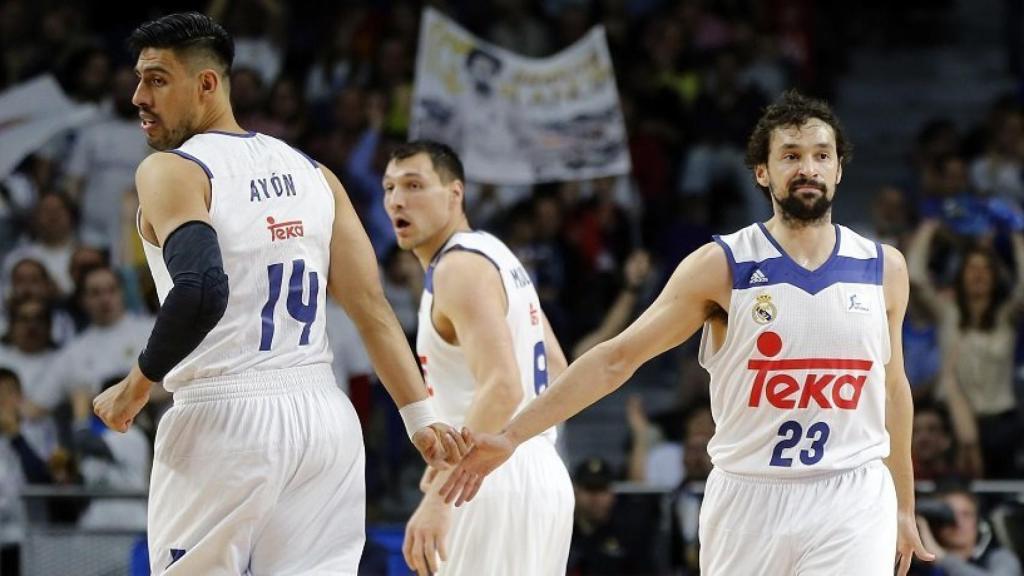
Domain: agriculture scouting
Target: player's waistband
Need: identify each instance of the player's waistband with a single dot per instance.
(256, 384)
(809, 479)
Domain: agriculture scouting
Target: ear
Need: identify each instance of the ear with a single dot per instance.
(209, 82)
(839, 172)
(458, 192)
(761, 174)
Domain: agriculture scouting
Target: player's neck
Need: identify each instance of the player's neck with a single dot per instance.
(221, 119)
(426, 251)
(809, 245)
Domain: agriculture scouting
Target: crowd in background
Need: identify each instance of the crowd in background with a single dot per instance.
(335, 81)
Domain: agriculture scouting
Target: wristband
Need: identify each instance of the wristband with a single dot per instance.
(418, 415)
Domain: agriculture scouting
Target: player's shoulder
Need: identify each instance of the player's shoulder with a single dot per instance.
(170, 164)
(894, 263)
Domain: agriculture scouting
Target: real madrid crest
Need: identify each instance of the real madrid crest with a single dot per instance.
(764, 311)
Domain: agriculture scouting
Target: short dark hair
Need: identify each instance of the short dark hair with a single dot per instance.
(185, 33)
(793, 109)
(446, 161)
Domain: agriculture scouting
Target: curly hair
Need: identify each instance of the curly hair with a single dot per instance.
(793, 109)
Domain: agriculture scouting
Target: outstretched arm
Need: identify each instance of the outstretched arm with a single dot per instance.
(899, 412)
(354, 282)
(701, 282)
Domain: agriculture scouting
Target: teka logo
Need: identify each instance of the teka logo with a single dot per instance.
(828, 382)
(284, 230)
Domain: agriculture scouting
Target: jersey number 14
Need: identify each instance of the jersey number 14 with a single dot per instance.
(304, 312)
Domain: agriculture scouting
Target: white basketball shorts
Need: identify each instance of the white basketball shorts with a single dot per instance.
(258, 474)
(520, 523)
(838, 525)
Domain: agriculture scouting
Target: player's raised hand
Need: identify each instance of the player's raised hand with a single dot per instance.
(118, 405)
(440, 445)
(487, 453)
(908, 544)
(424, 544)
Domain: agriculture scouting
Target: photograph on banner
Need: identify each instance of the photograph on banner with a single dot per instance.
(517, 120)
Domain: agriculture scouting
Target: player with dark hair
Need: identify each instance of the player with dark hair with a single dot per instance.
(258, 467)
(801, 330)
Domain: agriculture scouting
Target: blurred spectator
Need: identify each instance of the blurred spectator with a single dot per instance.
(101, 169)
(403, 284)
(21, 462)
(108, 346)
(998, 171)
(935, 454)
(29, 351)
(891, 217)
(259, 28)
(249, 100)
(117, 462)
(53, 241)
(963, 545)
(636, 274)
(607, 539)
(29, 280)
(723, 116)
(335, 66)
(686, 499)
(287, 112)
(979, 335)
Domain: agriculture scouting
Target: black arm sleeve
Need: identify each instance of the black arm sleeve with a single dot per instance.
(194, 305)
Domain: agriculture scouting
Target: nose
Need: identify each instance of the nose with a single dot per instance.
(393, 200)
(807, 167)
(138, 97)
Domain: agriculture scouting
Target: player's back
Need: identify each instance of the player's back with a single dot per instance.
(445, 368)
(798, 384)
(273, 212)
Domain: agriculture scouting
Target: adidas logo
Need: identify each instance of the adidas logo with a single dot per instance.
(758, 277)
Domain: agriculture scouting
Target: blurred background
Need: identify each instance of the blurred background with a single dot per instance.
(929, 92)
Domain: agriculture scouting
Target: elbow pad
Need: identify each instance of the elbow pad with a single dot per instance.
(194, 305)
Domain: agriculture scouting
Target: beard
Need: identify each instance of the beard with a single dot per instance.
(795, 209)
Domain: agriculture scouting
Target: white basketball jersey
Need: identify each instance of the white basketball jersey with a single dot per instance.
(798, 385)
(445, 370)
(273, 211)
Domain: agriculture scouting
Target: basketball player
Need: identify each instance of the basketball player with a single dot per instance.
(258, 467)
(801, 335)
(486, 350)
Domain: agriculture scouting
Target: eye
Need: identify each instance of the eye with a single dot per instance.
(789, 156)
(389, 187)
(414, 185)
(157, 82)
(824, 156)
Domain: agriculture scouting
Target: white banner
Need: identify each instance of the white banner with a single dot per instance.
(517, 120)
(30, 114)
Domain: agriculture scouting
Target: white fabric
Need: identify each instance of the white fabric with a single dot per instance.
(106, 155)
(31, 370)
(100, 353)
(350, 356)
(841, 525)
(417, 415)
(259, 474)
(816, 403)
(274, 215)
(56, 260)
(445, 369)
(519, 523)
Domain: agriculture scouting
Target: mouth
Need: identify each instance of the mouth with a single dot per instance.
(401, 224)
(147, 123)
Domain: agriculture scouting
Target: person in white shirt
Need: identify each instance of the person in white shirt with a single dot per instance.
(107, 347)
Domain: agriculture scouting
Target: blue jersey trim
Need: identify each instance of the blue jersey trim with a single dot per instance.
(428, 281)
(783, 270)
(246, 134)
(307, 157)
(188, 156)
